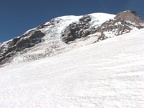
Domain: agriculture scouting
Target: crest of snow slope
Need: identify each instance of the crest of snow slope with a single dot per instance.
(52, 43)
(99, 18)
(108, 74)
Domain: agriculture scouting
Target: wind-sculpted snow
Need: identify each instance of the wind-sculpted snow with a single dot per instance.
(108, 74)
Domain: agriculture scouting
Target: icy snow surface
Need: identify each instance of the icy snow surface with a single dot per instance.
(108, 74)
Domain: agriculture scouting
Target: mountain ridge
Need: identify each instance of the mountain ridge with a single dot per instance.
(64, 33)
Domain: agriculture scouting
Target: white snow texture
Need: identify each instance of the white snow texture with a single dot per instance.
(107, 74)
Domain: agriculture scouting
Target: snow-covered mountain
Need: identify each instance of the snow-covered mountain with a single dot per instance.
(107, 74)
(95, 74)
(65, 33)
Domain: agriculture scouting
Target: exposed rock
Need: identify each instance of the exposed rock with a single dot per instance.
(130, 16)
(34, 38)
(117, 27)
(51, 22)
(77, 30)
(122, 23)
(19, 44)
(85, 19)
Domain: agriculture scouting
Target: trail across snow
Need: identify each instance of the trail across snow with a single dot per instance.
(108, 74)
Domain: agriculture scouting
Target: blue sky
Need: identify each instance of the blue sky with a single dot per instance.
(17, 16)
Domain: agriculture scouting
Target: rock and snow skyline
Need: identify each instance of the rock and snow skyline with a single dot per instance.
(90, 61)
(64, 33)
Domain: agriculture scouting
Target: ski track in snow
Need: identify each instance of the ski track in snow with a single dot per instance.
(108, 74)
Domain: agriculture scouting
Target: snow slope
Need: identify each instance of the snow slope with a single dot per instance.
(108, 74)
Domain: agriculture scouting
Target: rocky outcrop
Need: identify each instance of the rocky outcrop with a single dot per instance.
(34, 37)
(122, 23)
(77, 30)
(114, 27)
(52, 22)
(131, 16)
(18, 44)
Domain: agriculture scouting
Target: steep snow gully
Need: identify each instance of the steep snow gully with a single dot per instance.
(107, 74)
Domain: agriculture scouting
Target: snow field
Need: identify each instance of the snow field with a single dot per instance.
(108, 74)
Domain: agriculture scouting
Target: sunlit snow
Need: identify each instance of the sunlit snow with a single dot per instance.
(107, 74)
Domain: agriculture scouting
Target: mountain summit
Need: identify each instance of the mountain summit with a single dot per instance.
(108, 73)
(65, 33)
(130, 16)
